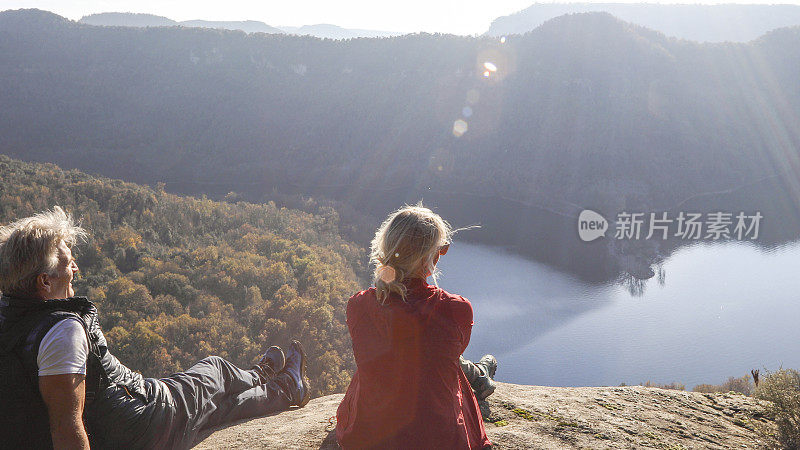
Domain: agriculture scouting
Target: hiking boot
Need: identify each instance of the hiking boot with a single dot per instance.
(489, 363)
(485, 385)
(270, 363)
(480, 375)
(292, 379)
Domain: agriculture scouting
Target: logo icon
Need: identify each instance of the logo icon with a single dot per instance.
(591, 225)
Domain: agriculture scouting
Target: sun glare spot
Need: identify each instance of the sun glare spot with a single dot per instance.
(459, 128)
(497, 61)
(387, 274)
(503, 40)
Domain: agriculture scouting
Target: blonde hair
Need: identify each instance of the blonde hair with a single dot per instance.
(29, 247)
(406, 245)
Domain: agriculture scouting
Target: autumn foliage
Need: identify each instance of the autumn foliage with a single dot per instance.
(177, 278)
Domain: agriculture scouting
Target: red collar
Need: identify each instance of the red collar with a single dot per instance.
(416, 283)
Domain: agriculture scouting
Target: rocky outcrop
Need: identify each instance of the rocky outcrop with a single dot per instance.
(518, 416)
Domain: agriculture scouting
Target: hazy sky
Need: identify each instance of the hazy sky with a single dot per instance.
(446, 16)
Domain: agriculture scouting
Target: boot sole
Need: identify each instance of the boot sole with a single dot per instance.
(303, 378)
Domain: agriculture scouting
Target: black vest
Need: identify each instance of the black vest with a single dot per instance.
(113, 391)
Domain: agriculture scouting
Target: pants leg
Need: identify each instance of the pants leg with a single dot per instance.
(473, 372)
(258, 401)
(200, 391)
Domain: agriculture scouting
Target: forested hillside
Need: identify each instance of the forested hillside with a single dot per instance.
(177, 278)
(584, 111)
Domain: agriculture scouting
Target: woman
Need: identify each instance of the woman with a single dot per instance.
(409, 390)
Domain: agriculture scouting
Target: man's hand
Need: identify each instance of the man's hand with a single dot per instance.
(64, 396)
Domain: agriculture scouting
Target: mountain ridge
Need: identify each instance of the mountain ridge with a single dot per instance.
(127, 19)
(587, 111)
(329, 31)
(703, 23)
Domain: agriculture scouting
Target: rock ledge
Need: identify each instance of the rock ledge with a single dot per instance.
(520, 416)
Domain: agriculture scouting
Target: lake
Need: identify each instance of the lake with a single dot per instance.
(721, 310)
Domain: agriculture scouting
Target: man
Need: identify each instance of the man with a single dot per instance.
(61, 387)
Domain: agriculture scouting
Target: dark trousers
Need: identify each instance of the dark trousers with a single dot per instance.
(472, 372)
(214, 392)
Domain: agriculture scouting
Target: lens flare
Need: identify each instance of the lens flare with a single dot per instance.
(466, 112)
(497, 59)
(459, 128)
(387, 274)
(503, 40)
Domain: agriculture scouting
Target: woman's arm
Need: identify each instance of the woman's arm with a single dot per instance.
(463, 318)
(452, 327)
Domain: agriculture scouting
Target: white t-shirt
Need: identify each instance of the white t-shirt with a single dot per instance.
(64, 349)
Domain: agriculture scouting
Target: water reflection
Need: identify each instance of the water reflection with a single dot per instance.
(728, 308)
(636, 286)
(514, 299)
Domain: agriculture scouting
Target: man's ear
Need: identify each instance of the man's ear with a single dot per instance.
(43, 283)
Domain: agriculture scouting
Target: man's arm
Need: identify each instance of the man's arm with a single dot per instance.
(64, 396)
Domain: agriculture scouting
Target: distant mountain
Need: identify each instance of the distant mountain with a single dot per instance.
(149, 20)
(119, 19)
(31, 18)
(248, 26)
(336, 32)
(585, 111)
(703, 23)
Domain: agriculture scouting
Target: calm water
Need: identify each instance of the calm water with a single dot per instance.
(722, 310)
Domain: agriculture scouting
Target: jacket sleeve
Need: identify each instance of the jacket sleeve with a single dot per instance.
(462, 315)
(351, 312)
(453, 327)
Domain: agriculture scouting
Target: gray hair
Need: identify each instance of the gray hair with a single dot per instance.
(405, 245)
(29, 247)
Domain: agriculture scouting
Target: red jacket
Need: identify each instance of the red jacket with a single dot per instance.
(409, 390)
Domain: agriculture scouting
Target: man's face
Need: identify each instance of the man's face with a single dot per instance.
(61, 282)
